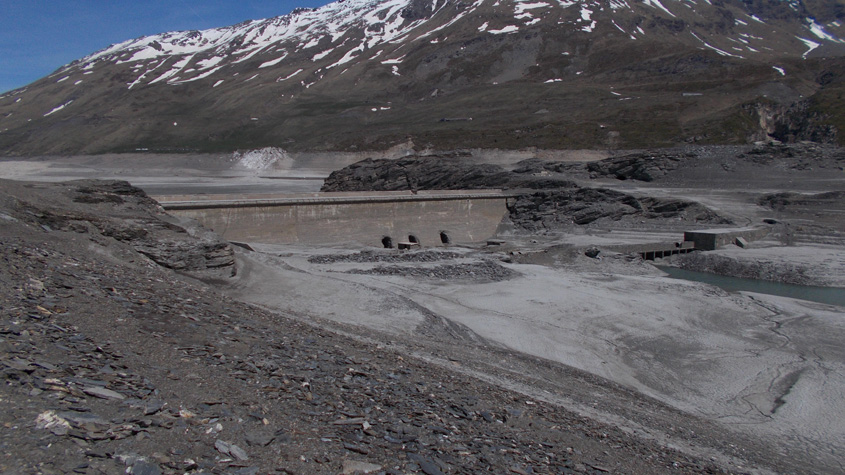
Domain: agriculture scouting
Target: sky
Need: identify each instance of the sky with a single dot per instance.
(38, 37)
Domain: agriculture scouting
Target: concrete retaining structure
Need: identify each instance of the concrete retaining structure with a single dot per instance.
(650, 253)
(432, 218)
(710, 239)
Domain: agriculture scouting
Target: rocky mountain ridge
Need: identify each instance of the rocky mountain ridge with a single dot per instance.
(364, 74)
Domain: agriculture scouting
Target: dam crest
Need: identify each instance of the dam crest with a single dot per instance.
(387, 218)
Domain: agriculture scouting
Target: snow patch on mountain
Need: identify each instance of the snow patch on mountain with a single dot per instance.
(810, 44)
(196, 78)
(818, 30)
(174, 70)
(280, 79)
(273, 62)
(322, 55)
(209, 63)
(586, 16)
(521, 7)
(657, 4)
(708, 45)
(58, 108)
(393, 61)
(349, 56)
(505, 30)
(458, 17)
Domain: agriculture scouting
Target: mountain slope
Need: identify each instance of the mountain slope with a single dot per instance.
(369, 74)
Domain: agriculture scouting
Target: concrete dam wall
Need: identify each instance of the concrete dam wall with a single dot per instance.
(428, 218)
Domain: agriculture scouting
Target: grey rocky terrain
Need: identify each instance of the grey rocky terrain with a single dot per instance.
(554, 196)
(128, 345)
(112, 361)
(117, 210)
(545, 196)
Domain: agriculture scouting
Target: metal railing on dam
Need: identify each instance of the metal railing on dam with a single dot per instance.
(430, 218)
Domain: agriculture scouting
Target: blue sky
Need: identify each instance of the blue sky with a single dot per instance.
(39, 36)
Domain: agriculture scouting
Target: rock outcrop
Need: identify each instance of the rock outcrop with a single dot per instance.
(644, 166)
(554, 210)
(782, 201)
(546, 198)
(119, 211)
(451, 171)
(111, 362)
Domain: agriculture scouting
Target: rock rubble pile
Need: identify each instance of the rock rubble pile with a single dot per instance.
(483, 271)
(369, 256)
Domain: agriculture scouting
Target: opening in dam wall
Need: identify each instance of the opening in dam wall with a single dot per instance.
(424, 219)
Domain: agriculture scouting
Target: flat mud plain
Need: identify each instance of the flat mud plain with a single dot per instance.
(653, 374)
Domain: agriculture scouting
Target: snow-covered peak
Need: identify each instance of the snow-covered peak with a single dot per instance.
(285, 79)
(349, 31)
(381, 20)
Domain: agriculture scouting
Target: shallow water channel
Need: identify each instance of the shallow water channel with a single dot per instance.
(827, 295)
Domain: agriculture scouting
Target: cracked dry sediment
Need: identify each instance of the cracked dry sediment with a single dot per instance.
(787, 376)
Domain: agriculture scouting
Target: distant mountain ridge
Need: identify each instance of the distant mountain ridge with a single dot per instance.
(359, 74)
